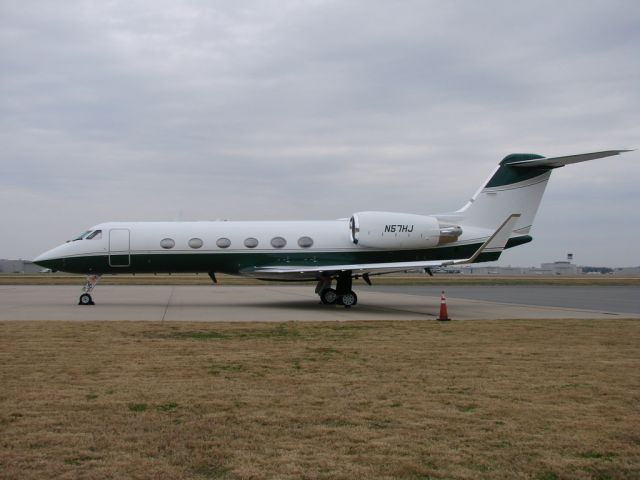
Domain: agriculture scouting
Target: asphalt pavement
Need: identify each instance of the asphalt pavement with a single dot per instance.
(599, 298)
(277, 303)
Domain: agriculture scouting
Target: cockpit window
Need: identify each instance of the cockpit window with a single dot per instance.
(82, 235)
(95, 235)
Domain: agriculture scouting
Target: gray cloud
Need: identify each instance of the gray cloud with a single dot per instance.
(204, 110)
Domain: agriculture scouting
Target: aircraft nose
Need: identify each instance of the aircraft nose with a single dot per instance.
(41, 258)
(48, 259)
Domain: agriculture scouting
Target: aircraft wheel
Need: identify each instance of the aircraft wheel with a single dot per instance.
(85, 299)
(349, 299)
(328, 296)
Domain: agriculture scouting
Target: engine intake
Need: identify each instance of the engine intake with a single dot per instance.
(400, 230)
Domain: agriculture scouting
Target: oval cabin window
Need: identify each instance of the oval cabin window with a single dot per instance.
(196, 243)
(305, 242)
(251, 242)
(278, 242)
(223, 243)
(167, 243)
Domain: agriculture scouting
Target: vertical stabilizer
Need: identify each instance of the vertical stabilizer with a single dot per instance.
(509, 189)
(517, 185)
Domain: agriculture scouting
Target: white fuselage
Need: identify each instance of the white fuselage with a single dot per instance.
(231, 246)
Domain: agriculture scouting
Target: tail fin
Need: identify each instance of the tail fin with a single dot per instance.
(517, 185)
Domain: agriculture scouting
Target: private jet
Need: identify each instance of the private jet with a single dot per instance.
(498, 216)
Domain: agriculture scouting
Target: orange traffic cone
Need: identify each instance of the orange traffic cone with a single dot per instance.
(444, 316)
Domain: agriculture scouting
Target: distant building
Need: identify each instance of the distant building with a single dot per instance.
(495, 270)
(628, 271)
(554, 268)
(18, 266)
(560, 268)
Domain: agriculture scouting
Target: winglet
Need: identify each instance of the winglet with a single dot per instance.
(495, 243)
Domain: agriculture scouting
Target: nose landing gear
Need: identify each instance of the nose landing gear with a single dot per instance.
(85, 298)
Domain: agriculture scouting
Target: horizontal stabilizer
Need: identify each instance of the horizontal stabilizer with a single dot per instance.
(555, 162)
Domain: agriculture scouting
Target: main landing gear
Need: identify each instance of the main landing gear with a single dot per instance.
(341, 295)
(85, 298)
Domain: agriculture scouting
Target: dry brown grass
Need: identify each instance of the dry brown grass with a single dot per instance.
(391, 400)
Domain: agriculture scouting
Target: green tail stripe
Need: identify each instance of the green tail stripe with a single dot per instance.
(507, 175)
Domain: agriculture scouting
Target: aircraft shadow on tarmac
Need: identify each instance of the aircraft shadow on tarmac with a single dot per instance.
(303, 305)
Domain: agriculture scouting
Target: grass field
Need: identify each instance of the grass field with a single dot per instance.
(393, 400)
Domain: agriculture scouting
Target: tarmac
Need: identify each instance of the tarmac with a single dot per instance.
(270, 303)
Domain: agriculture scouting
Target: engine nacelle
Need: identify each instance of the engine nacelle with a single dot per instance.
(400, 230)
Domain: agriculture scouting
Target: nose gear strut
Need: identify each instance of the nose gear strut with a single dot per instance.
(85, 298)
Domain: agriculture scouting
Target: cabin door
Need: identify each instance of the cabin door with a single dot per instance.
(119, 244)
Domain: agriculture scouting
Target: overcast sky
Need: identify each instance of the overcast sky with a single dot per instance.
(197, 110)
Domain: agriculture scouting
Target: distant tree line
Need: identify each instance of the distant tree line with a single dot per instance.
(602, 270)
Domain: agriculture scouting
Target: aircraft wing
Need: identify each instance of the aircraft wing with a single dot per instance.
(495, 243)
(292, 272)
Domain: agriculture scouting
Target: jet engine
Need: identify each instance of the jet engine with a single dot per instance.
(400, 230)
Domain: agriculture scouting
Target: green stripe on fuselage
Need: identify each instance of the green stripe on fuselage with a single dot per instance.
(232, 262)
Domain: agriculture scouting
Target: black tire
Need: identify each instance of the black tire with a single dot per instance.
(328, 296)
(349, 299)
(85, 299)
